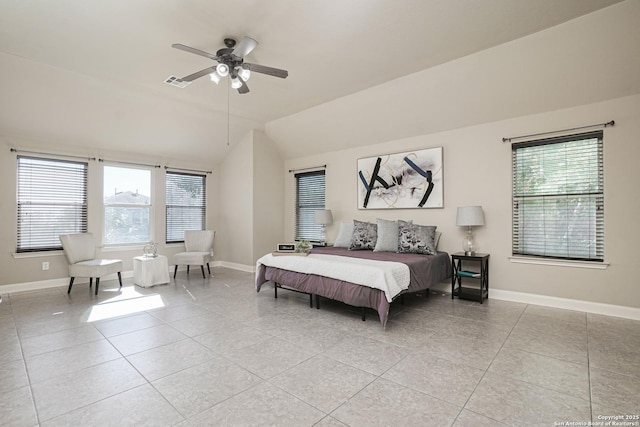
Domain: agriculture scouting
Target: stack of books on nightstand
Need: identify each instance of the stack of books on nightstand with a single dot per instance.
(468, 273)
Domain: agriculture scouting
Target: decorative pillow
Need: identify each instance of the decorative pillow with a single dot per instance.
(344, 235)
(416, 239)
(437, 239)
(365, 235)
(387, 236)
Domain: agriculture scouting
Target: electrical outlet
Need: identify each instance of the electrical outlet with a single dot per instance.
(45, 265)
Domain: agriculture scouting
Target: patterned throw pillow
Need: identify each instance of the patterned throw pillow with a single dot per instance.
(416, 239)
(365, 235)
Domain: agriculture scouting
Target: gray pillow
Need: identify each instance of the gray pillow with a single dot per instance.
(387, 236)
(416, 239)
(344, 235)
(365, 235)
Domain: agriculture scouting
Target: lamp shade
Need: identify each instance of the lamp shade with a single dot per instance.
(470, 216)
(236, 83)
(244, 74)
(323, 217)
(215, 77)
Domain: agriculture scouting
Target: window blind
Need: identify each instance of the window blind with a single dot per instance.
(558, 197)
(310, 191)
(52, 200)
(185, 203)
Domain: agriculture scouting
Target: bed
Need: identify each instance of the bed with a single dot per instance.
(421, 271)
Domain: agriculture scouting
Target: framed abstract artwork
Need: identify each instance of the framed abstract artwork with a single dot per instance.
(412, 179)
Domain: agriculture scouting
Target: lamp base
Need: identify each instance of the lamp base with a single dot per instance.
(468, 246)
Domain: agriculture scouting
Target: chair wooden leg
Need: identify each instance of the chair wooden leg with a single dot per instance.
(187, 270)
(97, 284)
(120, 278)
(175, 271)
(70, 285)
(90, 282)
(202, 268)
(208, 269)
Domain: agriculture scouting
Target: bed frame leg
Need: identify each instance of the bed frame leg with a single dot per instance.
(363, 314)
(317, 302)
(311, 300)
(275, 290)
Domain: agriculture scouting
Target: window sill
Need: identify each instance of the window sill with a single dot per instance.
(559, 262)
(25, 255)
(174, 245)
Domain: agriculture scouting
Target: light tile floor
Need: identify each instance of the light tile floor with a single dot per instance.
(214, 352)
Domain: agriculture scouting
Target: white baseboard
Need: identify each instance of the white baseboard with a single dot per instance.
(567, 304)
(235, 266)
(555, 302)
(54, 283)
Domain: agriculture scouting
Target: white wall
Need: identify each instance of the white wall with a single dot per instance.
(251, 200)
(234, 236)
(477, 171)
(268, 196)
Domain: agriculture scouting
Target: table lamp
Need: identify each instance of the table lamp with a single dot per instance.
(469, 216)
(323, 217)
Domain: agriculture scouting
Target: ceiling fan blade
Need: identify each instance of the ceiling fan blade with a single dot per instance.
(246, 45)
(276, 72)
(244, 88)
(194, 50)
(197, 75)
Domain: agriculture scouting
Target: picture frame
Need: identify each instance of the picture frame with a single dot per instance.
(406, 180)
(286, 247)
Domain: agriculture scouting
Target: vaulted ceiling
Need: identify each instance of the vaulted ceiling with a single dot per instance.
(91, 73)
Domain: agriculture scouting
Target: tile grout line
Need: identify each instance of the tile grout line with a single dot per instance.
(490, 364)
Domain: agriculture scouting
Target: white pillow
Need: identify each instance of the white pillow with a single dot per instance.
(344, 235)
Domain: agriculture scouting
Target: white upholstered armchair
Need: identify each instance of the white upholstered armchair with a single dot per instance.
(80, 250)
(198, 250)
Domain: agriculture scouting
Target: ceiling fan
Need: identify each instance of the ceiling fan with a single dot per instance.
(231, 63)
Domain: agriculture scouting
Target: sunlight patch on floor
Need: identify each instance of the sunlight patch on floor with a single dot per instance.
(121, 307)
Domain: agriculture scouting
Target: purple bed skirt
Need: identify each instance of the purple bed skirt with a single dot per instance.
(425, 271)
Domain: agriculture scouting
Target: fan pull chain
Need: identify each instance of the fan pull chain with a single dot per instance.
(228, 113)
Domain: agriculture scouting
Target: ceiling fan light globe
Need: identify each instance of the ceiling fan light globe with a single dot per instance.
(222, 70)
(215, 77)
(244, 74)
(236, 83)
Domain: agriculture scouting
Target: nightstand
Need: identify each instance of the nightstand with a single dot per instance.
(472, 268)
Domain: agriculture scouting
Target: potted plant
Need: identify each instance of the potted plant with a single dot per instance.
(303, 246)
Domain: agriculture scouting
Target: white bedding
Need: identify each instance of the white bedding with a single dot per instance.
(389, 277)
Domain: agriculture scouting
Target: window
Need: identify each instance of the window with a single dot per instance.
(52, 200)
(558, 197)
(186, 204)
(310, 188)
(127, 205)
